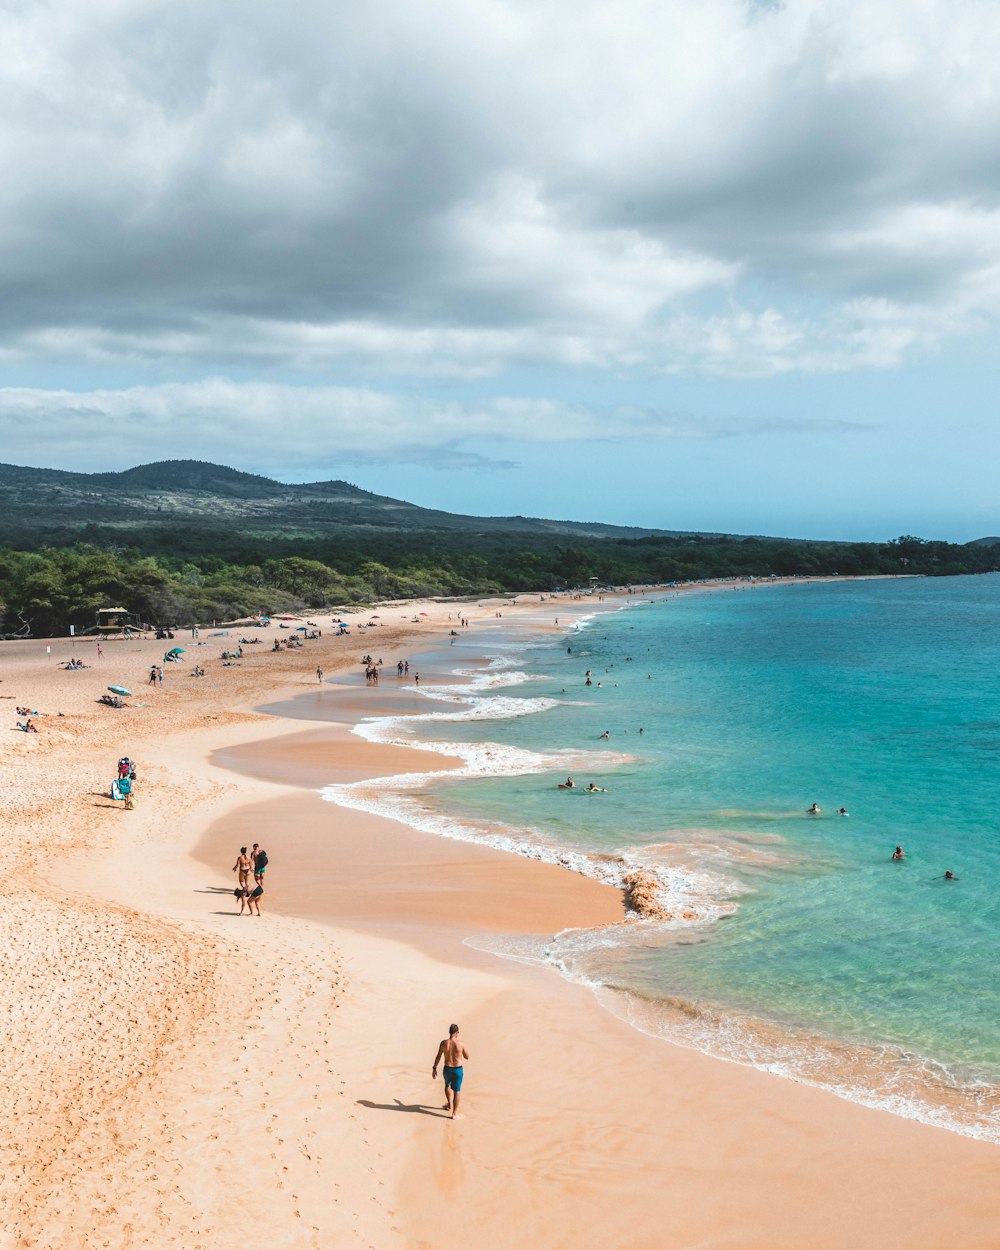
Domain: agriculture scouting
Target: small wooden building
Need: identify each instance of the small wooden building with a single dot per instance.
(116, 621)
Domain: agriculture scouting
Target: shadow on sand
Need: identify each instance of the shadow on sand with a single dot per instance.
(415, 1108)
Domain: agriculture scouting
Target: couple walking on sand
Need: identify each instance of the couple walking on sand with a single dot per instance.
(246, 863)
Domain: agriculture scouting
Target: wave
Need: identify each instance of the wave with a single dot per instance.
(675, 894)
(882, 1077)
(885, 1077)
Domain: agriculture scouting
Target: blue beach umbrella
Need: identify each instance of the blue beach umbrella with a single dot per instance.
(119, 690)
(176, 651)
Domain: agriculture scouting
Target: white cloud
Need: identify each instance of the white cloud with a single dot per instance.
(458, 187)
(314, 430)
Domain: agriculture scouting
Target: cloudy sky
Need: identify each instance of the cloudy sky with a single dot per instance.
(719, 264)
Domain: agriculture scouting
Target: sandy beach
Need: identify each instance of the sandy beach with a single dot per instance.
(178, 1075)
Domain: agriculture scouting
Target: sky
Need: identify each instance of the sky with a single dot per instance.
(731, 265)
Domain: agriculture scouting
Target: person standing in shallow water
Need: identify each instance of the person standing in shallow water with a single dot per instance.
(452, 1053)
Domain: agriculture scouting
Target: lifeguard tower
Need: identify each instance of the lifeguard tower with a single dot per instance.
(116, 621)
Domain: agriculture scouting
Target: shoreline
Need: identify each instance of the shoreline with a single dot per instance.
(288, 1021)
(868, 1074)
(441, 940)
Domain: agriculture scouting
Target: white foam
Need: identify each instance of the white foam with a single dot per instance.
(968, 1108)
(890, 1077)
(690, 896)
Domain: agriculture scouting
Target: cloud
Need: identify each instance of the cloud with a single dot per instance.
(464, 186)
(316, 430)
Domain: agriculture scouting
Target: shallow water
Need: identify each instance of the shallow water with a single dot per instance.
(795, 942)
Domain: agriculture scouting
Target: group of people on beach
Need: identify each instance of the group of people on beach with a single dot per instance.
(253, 862)
(27, 725)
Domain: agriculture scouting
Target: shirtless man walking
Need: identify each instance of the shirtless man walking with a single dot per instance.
(452, 1052)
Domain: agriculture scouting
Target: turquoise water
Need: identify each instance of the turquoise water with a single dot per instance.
(806, 949)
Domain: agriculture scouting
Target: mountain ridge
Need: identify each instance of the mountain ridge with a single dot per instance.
(197, 492)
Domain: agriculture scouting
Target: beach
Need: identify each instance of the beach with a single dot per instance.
(178, 1075)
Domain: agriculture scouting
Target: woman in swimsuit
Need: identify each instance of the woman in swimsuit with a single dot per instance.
(243, 866)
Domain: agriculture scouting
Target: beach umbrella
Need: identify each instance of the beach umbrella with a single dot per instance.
(303, 628)
(119, 690)
(423, 613)
(176, 651)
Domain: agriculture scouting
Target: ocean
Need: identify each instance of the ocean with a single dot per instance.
(788, 941)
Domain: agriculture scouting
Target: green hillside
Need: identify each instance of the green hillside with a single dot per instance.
(183, 541)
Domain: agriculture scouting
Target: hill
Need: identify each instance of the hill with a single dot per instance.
(59, 506)
(182, 541)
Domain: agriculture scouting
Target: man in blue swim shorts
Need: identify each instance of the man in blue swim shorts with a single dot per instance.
(452, 1052)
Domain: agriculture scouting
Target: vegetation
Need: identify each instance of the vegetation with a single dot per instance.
(183, 541)
(178, 577)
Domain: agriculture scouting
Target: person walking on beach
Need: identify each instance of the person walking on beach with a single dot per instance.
(258, 857)
(319, 674)
(452, 1053)
(243, 866)
(125, 790)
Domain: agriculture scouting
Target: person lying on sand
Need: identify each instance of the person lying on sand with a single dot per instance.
(452, 1051)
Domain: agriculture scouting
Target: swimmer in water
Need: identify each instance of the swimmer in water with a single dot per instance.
(592, 789)
(842, 811)
(899, 853)
(950, 876)
(569, 783)
(814, 810)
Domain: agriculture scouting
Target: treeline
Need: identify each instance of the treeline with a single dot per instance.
(188, 575)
